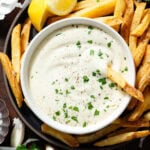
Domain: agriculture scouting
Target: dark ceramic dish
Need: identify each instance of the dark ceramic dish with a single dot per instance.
(26, 114)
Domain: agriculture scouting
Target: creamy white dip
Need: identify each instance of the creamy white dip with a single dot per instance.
(67, 77)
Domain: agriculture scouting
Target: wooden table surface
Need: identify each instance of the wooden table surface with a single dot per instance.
(4, 27)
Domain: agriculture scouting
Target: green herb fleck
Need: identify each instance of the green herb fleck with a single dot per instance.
(67, 121)
(85, 79)
(96, 113)
(125, 69)
(102, 81)
(57, 113)
(101, 87)
(78, 44)
(112, 84)
(72, 87)
(90, 41)
(84, 124)
(90, 106)
(75, 108)
(94, 74)
(98, 72)
(64, 105)
(54, 118)
(100, 54)
(53, 83)
(66, 79)
(92, 96)
(74, 118)
(56, 90)
(109, 44)
(90, 27)
(67, 92)
(106, 97)
(91, 52)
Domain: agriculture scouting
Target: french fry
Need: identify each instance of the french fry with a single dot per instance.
(135, 21)
(122, 138)
(65, 138)
(101, 9)
(141, 28)
(16, 50)
(125, 27)
(133, 124)
(147, 55)
(25, 34)
(88, 138)
(11, 76)
(119, 11)
(111, 20)
(140, 50)
(147, 116)
(122, 130)
(117, 78)
(143, 76)
(132, 104)
(85, 4)
(141, 107)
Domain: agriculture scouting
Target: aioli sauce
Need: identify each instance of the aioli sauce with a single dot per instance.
(67, 76)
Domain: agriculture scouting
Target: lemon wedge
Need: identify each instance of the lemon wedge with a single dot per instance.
(38, 13)
(40, 10)
(61, 7)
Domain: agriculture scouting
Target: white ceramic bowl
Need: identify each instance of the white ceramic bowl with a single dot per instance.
(27, 62)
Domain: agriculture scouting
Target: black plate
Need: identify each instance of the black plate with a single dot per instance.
(26, 114)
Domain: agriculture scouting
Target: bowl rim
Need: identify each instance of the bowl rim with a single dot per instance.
(25, 63)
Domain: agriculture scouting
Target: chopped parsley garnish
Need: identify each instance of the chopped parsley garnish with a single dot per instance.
(98, 72)
(111, 85)
(125, 69)
(96, 113)
(90, 106)
(66, 79)
(94, 74)
(78, 44)
(101, 87)
(106, 97)
(90, 29)
(67, 92)
(97, 0)
(53, 83)
(74, 118)
(90, 41)
(64, 105)
(92, 96)
(58, 91)
(85, 79)
(57, 113)
(100, 54)
(54, 118)
(84, 124)
(72, 87)
(109, 44)
(102, 81)
(75, 108)
(91, 52)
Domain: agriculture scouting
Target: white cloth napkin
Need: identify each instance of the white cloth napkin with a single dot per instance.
(7, 6)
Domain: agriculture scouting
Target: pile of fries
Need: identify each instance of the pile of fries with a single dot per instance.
(131, 19)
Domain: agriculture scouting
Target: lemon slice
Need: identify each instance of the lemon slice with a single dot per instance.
(61, 7)
(38, 13)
